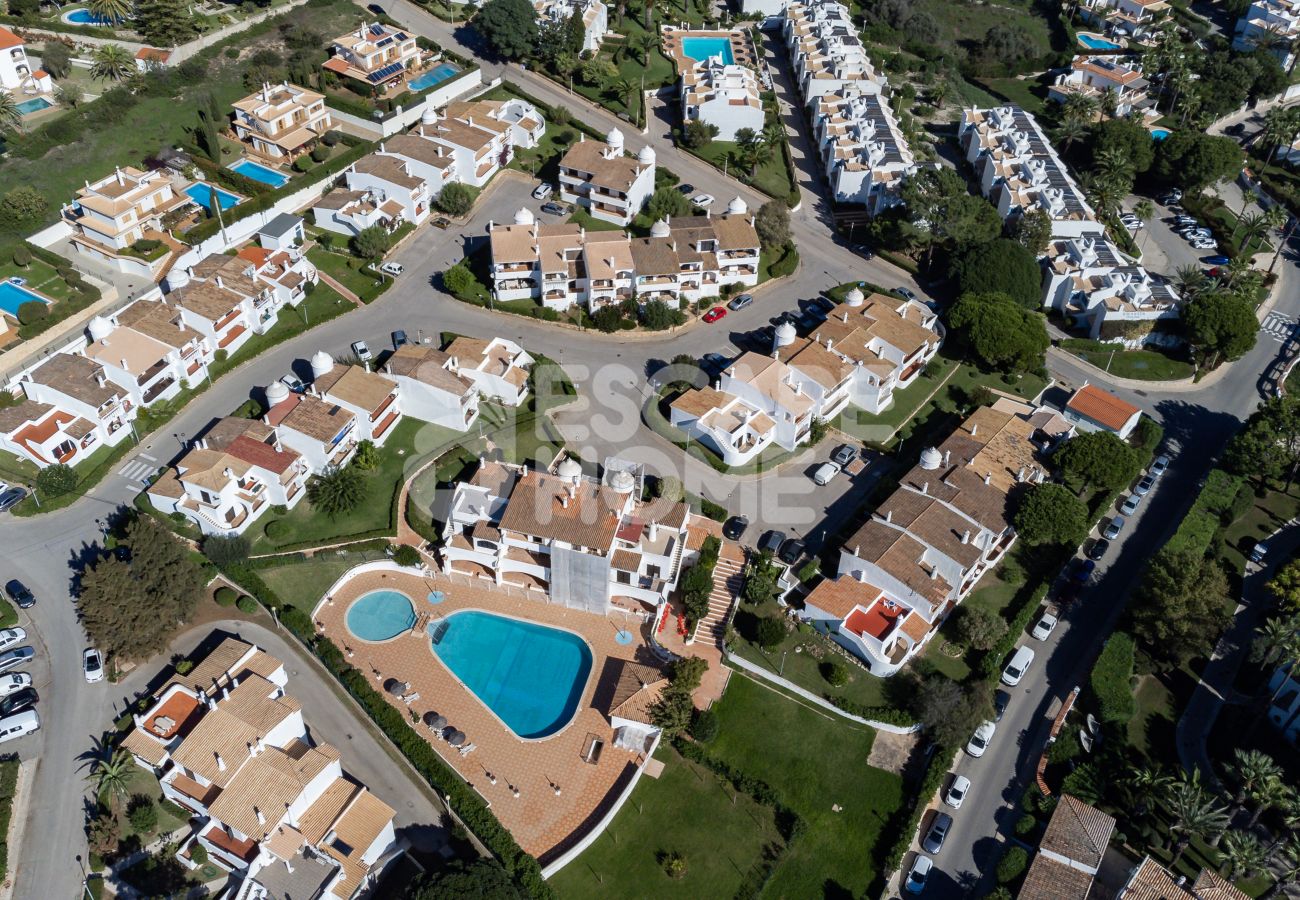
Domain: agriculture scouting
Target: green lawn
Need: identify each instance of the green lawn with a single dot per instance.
(302, 584)
(993, 594)
(814, 762)
(40, 276)
(350, 272)
(772, 177)
(1265, 515)
(879, 429)
(688, 810)
(1029, 93)
(1152, 726)
(143, 782)
(1146, 365)
(656, 72)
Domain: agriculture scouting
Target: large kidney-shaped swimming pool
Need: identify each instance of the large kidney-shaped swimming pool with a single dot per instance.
(531, 676)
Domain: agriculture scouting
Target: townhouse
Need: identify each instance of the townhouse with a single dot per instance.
(281, 121)
(593, 14)
(17, 75)
(1111, 81)
(269, 804)
(373, 399)
(1090, 282)
(220, 298)
(1269, 23)
(109, 215)
(381, 189)
(1151, 881)
(1137, 19)
(323, 433)
(863, 151)
(825, 51)
(728, 97)
(149, 350)
(683, 259)
(865, 350)
(1070, 852)
(286, 273)
(229, 477)
(1092, 409)
(69, 410)
(589, 544)
(498, 368)
(375, 56)
(928, 544)
(349, 212)
(432, 389)
(603, 180)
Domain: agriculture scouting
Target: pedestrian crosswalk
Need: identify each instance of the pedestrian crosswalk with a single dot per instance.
(139, 469)
(1278, 327)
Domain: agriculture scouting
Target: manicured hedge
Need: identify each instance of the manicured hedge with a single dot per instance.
(889, 715)
(1112, 677)
(991, 664)
(8, 785)
(1207, 515)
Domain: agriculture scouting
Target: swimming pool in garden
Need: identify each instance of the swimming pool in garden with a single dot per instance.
(12, 296)
(437, 75)
(1093, 42)
(702, 48)
(531, 676)
(201, 193)
(381, 615)
(259, 172)
(36, 104)
(86, 17)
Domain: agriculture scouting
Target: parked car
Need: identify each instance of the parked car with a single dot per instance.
(1044, 627)
(715, 314)
(1145, 485)
(1173, 195)
(11, 636)
(1205, 244)
(715, 361)
(543, 191)
(957, 791)
(1098, 549)
(734, 527)
(399, 339)
(1159, 466)
(11, 658)
(918, 874)
(1019, 665)
(938, 832)
(979, 741)
(906, 293)
(843, 455)
(825, 472)
(1181, 221)
(19, 594)
(1235, 130)
(791, 551)
(442, 222)
(703, 201)
(1001, 700)
(11, 498)
(1215, 260)
(1131, 504)
(1081, 570)
(14, 681)
(771, 541)
(18, 701)
(16, 726)
(741, 302)
(293, 384)
(92, 665)
(686, 189)
(362, 351)
(554, 209)
(391, 268)
(1114, 528)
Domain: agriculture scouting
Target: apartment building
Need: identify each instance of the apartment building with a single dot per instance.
(1018, 170)
(683, 259)
(375, 55)
(109, 215)
(69, 410)
(589, 544)
(865, 350)
(349, 212)
(498, 368)
(825, 51)
(594, 16)
(229, 477)
(149, 350)
(930, 542)
(1089, 281)
(863, 151)
(1108, 80)
(603, 180)
(728, 97)
(281, 121)
(432, 389)
(379, 185)
(373, 399)
(17, 74)
(1269, 23)
(1139, 20)
(231, 747)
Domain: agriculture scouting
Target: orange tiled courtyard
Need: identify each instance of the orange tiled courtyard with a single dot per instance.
(543, 823)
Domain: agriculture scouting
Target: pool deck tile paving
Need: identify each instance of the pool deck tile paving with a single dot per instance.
(543, 823)
(673, 48)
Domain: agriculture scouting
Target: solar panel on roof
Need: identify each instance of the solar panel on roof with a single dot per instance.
(386, 72)
(376, 29)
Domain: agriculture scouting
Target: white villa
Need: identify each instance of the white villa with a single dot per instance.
(280, 121)
(1136, 19)
(608, 184)
(109, 215)
(16, 73)
(1100, 77)
(1089, 281)
(724, 96)
(595, 18)
(149, 350)
(432, 388)
(381, 189)
(375, 55)
(1270, 21)
(498, 368)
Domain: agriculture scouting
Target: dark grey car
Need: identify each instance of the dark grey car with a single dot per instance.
(937, 834)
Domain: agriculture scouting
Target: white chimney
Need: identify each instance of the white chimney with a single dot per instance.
(261, 819)
(125, 367)
(988, 477)
(965, 538)
(221, 763)
(974, 429)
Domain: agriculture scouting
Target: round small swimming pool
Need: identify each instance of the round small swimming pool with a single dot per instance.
(1159, 134)
(381, 615)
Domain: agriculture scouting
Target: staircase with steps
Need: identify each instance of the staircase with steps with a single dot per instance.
(728, 579)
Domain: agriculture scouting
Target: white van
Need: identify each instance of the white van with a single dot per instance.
(1019, 664)
(19, 725)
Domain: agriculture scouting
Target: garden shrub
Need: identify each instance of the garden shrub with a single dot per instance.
(1012, 865)
(705, 726)
(143, 814)
(246, 605)
(226, 596)
(1025, 825)
(835, 673)
(1111, 680)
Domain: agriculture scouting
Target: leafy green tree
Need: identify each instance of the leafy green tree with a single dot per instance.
(226, 550)
(1252, 773)
(1052, 514)
(337, 491)
(1127, 138)
(1179, 607)
(367, 456)
(607, 319)
(165, 23)
(835, 673)
(954, 218)
(705, 726)
(948, 712)
(979, 627)
(697, 133)
(1268, 448)
(772, 222)
(1097, 459)
(1002, 266)
(22, 207)
(55, 481)
(508, 26)
(667, 202)
(371, 243)
(406, 555)
(460, 281)
(1032, 230)
(770, 632)
(1194, 159)
(56, 59)
(1221, 325)
(112, 62)
(999, 332)
(32, 311)
(456, 199)
(483, 879)
(657, 315)
(143, 814)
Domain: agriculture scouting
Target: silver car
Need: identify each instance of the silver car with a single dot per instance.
(16, 657)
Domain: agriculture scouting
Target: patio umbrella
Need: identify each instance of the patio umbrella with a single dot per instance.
(435, 721)
(395, 687)
(457, 738)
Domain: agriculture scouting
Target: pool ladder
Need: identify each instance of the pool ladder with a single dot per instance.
(437, 628)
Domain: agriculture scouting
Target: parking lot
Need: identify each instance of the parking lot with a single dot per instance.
(1164, 251)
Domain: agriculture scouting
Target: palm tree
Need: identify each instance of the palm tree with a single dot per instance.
(111, 773)
(1243, 854)
(1143, 786)
(112, 61)
(1078, 108)
(1102, 194)
(1191, 281)
(337, 491)
(939, 93)
(68, 95)
(10, 115)
(774, 132)
(1249, 227)
(623, 89)
(640, 44)
(1145, 210)
(1279, 129)
(1284, 866)
(114, 11)
(1071, 132)
(1272, 792)
(1194, 815)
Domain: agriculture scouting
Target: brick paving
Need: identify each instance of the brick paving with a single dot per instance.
(543, 823)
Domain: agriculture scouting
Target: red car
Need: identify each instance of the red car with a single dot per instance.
(715, 314)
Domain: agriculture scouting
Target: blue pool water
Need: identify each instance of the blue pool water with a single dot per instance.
(531, 676)
(85, 17)
(1159, 134)
(201, 194)
(437, 75)
(12, 296)
(1096, 43)
(701, 48)
(36, 104)
(381, 615)
(259, 172)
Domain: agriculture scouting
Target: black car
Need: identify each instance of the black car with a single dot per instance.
(843, 455)
(19, 594)
(734, 527)
(1082, 569)
(1098, 549)
(11, 498)
(1236, 130)
(1000, 701)
(18, 701)
(376, 9)
(771, 541)
(399, 339)
(686, 189)
(790, 551)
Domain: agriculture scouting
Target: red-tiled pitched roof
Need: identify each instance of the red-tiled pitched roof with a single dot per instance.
(1101, 406)
(259, 454)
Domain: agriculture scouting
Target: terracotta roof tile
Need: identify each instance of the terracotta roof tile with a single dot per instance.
(1101, 407)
